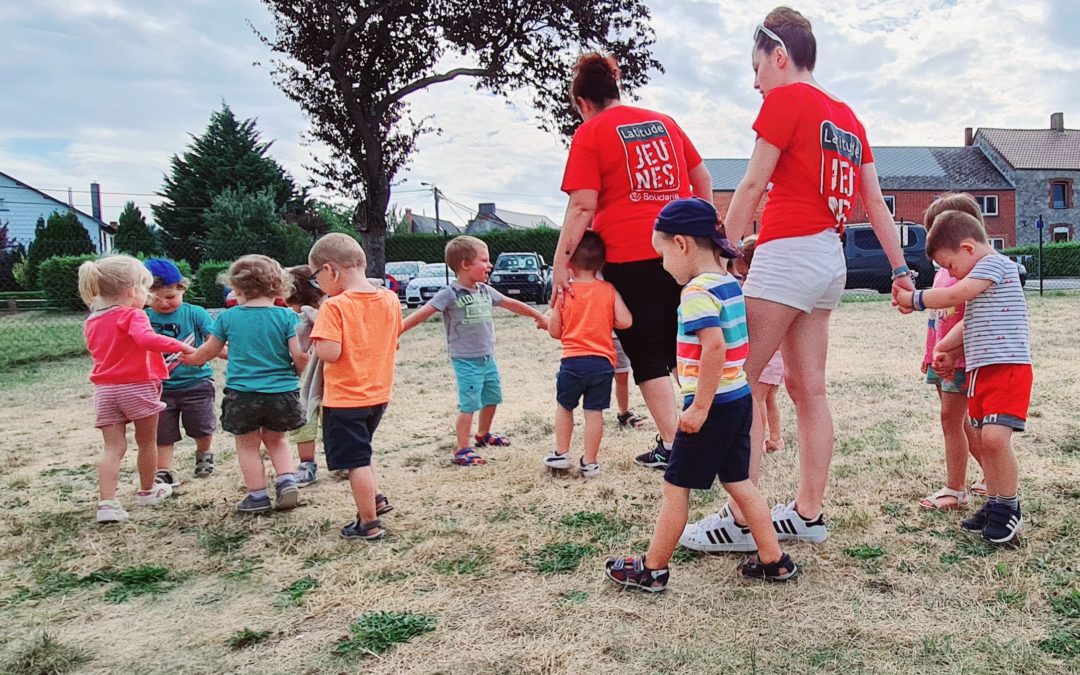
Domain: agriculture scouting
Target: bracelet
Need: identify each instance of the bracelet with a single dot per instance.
(917, 301)
(902, 271)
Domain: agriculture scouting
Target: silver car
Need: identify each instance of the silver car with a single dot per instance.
(403, 272)
(431, 278)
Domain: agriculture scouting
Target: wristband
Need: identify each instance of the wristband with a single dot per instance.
(902, 271)
(917, 301)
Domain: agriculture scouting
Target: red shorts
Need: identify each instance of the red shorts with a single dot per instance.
(999, 394)
(123, 403)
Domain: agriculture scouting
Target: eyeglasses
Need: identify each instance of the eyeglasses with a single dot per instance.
(314, 284)
(762, 30)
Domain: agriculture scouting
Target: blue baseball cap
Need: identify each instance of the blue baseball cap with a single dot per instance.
(695, 217)
(165, 272)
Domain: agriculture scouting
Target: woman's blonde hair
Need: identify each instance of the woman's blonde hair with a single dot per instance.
(111, 278)
(257, 276)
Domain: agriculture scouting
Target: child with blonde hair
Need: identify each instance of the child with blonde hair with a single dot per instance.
(127, 374)
(262, 390)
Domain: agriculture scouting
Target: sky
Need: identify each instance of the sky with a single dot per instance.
(109, 90)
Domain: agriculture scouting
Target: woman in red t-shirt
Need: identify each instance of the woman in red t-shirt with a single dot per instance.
(625, 164)
(813, 150)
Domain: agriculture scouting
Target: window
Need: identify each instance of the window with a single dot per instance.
(1061, 194)
(865, 239)
(890, 201)
(998, 243)
(1060, 234)
(988, 204)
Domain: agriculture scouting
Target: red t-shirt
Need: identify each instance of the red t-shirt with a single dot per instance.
(823, 148)
(124, 347)
(638, 161)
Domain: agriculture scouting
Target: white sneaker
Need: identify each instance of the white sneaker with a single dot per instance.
(110, 511)
(717, 533)
(790, 526)
(556, 461)
(589, 470)
(157, 494)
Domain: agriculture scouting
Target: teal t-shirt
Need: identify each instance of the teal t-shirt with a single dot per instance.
(258, 339)
(191, 324)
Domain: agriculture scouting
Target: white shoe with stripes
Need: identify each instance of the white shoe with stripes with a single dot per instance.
(717, 533)
(790, 526)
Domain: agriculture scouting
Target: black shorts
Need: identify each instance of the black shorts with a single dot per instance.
(191, 406)
(652, 296)
(586, 379)
(719, 450)
(245, 411)
(347, 435)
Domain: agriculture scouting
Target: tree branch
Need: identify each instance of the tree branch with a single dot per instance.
(425, 82)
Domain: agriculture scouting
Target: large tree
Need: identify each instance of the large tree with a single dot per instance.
(352, 64)
(229, 155)
(133, 235)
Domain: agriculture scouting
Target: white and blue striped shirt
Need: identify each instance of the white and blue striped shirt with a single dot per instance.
(996, 320)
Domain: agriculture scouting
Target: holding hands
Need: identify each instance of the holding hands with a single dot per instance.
(691, 419)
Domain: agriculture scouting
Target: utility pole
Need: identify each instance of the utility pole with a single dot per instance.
(438, 223)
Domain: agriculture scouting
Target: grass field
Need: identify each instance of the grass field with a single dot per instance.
(27, 337)
(497, 569)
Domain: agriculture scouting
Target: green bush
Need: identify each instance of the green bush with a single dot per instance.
(205, 284)
(429, 247)
(59, 278)
(62, 235)
(1059, 260)
(243, 223)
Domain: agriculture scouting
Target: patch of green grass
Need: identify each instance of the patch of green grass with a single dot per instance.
(376, 632)
(601, 526)
(907, 529)
(1007, 596)
(562, 557)
(976, 549)
(221, 543)
(951, 558)
(472, 562)
(247, 638)
(1062, 643)
(29, 337)
(83, 470)
(242, 572)
(573, 598)
(44, 655)
(293, 594)
(134, 582)
(683, 555)
(937, 645)
(894, 510)
(864, 552)
(1067, 606)
(1070, 445)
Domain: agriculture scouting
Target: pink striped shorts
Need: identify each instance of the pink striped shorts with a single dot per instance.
(123, 403)
(773, 373)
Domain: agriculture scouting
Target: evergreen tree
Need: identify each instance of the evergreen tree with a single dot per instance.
(228, 155)
(63, 234)
(133, 235)
(242, 222)
(11, 254)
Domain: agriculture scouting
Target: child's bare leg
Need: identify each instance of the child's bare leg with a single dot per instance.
(306, 450)
(251, 463)
(772, 414)
(464, 430)
(674, 511)
(999, 460)
(594, 433)
(277, 446)
(146, 440)
(564, 429)
(974, 448)
(364, 489)
(756, 512)
(954, 412)
(165, 456)
(622, 392)
(483, 425)
(115, 438)
(202, 445)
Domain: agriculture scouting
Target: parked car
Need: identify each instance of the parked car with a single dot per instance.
(429, 280)
(1021, 267)
(869, 268)
(403, 272)
(524, 276)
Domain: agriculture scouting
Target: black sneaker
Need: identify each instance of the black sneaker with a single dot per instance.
(1003, 524)
(977, 520)
(632, 573)
(657, 458)
(167, 477)
(253, 505)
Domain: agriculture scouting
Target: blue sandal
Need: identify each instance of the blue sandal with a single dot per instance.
(467, 457)
(493, 440)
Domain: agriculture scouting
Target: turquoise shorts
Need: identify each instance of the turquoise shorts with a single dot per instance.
(478, 383)
(956, 385)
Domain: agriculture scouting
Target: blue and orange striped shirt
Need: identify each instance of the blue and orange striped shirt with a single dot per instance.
(713, 300)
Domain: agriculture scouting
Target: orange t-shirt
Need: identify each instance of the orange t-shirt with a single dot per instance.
(588, 319)
(367, 326)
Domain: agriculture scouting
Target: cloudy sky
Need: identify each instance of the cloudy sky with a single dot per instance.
(108, 90)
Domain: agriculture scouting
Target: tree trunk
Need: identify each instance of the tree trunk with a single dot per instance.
(370, 222)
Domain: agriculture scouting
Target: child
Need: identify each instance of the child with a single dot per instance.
(626, 417)
(584, 323)
(960, 437)
(127, 374)
(189, 392)
(773, 374)
(262, 390)
(305, 299)
(713, 438)
(355, 335)
(997, 354)
(466, 306)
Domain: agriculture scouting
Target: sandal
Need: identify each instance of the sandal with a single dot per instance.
(978, 488)
(382, 505)
(632, 573)
(783, 569)
(774, 447)
(933, 502)
(630, 420)
(494, 440)
(358, 530)
(204, 464)
(467, 457)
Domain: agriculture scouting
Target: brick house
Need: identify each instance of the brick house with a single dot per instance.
(489, 218)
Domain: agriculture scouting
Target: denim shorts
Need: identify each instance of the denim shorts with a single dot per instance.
(586, 379)
(478, 383)
(957, 384)
(719, 450)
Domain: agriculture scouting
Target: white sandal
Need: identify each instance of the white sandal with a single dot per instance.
(930, 502)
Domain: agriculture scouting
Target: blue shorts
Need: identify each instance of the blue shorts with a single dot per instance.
(957, 384)
(478, 384)
(347, 434)
(719, 450)
(586, 379)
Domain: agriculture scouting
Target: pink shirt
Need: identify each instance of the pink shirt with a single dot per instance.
(942, 320)
(124, 347)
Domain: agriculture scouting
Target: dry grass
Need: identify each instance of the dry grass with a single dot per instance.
(505, 559)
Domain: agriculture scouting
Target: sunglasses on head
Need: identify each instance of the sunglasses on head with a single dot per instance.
(762, 30)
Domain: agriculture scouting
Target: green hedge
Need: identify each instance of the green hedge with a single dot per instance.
(22, 295)
(429, 247)
(205, 284)
(1059, 260)
(59, 279)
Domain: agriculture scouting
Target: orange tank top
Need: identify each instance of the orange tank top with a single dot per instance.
(588, 320)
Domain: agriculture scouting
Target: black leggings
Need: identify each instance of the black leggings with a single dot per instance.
(652, 296)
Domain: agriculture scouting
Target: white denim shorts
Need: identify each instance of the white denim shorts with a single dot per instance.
(806, 273)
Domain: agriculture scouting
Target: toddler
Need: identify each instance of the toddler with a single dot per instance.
(305, 299)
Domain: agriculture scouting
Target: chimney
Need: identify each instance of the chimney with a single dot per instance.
(969, 136)
(1057, 122)
(487, 209)
(95, 201)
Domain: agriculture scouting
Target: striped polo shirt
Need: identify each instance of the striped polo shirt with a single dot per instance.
(713, 300)
(996, 320)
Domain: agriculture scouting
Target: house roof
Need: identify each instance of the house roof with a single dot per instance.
(900, 168)
(519, 221)
(21, 184)
(1036, 148)
(426, 224)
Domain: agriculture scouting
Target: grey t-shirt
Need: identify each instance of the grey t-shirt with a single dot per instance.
(996, 320)
(470, 330)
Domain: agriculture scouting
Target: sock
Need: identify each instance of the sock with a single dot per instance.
(993, 499)
(667, 446)
(259, 494)
(1012, 502)
(284, 478)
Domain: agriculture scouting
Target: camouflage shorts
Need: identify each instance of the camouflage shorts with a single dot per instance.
(245, 411)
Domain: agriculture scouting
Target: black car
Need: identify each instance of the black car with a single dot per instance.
(524, 276)
(869, 268)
